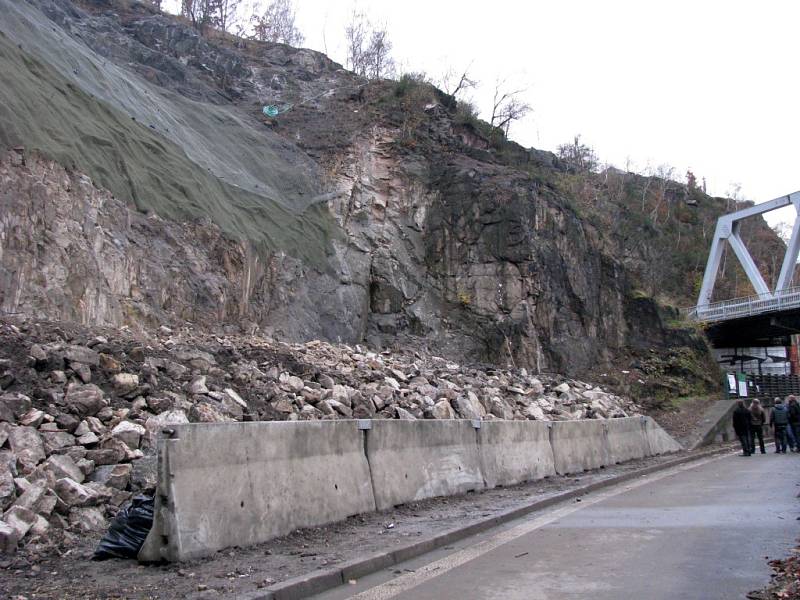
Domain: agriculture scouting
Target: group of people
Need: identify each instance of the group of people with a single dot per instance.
(748, 423)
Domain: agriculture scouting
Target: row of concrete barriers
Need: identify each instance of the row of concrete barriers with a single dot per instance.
(238, 484)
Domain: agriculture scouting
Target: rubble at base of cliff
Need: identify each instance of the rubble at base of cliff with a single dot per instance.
(80, 408)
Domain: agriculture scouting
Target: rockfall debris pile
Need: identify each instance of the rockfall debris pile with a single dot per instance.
(80, 408)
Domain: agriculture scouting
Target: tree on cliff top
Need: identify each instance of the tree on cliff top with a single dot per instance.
(277, 24)
(368, 48)
(507, 107)
(578, 155)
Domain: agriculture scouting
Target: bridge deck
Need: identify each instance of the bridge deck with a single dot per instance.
(748, 306)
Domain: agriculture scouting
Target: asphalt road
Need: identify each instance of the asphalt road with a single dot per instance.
(701, 531)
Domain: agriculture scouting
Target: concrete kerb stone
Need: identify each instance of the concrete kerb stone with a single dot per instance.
(513, 452)
(415, 460)
(294, 588)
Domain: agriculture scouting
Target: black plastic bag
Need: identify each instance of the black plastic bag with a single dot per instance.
(127, 533)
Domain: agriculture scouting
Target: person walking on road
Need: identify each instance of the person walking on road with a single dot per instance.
(779, 420)
(794, 422)
(741, 425)
(758, 418)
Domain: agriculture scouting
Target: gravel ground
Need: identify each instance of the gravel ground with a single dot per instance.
(240, 570)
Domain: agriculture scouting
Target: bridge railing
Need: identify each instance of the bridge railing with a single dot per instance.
(746, 306)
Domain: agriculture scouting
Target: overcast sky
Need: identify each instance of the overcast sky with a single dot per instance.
(712, 86)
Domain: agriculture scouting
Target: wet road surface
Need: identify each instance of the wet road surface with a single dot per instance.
(702, 530)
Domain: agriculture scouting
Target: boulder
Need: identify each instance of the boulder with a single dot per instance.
(13, 406)
(291, 383)
(20, 519)
(32, 496)
(501, 409)
(84, 372)
(113, 476)
(402, 413)
(8, 492)
(9, 538)
(233, 395)
(156, 423)
(96, 425)
(337, 406)
(534, 412)
(40, 526)
(81, 355)
(325, 408)
(62, 465)
(562, 388)
(85, 465)
(125, 383)
(27, 446)
(197, 386)
(67, 422)
(326, 381)
(443, 410)
(38, 354)
(144, 474)
(107, 456)
(159, 404)
(87, 520)
(54, 441)
(469, 407)
(73, 493)
(58, 377)
(283, 405)
(4, 429)
(129, 432)
(88, 439)
(85, 400)
(32, 418)
(205, 412)
(109, 364)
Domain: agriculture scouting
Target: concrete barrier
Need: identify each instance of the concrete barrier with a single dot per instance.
(626, 439)
(237, 484)
(514, 451)
(579, 446)
(658, 440)
(414, 460)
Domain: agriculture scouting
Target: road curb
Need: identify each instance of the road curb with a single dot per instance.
(323, 580)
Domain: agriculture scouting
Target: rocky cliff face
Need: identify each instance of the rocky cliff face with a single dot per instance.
(367, 212)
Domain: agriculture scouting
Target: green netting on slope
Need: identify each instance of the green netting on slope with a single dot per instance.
(205, 169)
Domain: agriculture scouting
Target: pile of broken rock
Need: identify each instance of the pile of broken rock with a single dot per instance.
(80, 408)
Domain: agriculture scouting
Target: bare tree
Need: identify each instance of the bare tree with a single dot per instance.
(507, 107)
(225, 14)
(379, 60)
(199, 12)
(277, 24)
(356, 33)
(578, 155)
(368, 48)
(203, 14)
(453, 84)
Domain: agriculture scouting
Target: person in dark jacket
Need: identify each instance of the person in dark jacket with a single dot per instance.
(794, 421)
(758, 418)
(779, 419)
(741, 425)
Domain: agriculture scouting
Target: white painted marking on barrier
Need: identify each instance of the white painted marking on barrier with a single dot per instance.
(448, 563)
